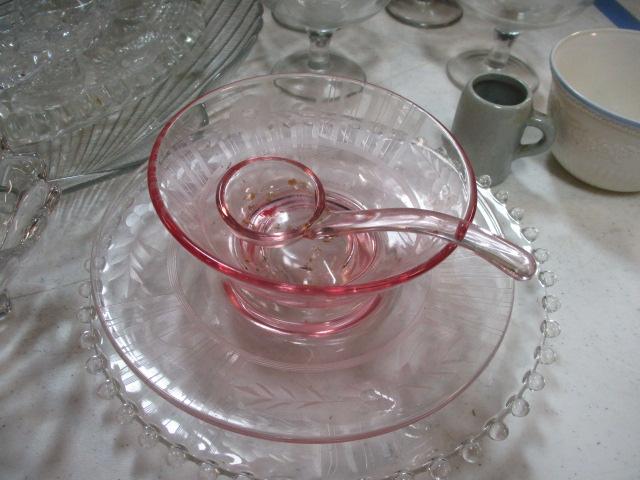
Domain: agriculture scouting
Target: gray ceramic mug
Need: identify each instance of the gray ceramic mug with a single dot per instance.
(492, 114)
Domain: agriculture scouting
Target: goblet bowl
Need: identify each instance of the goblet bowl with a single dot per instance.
(510, 18)
(320, 19)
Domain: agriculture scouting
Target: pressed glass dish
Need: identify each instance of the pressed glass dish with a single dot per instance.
(67, 64)
(26, 199)
(229, 29)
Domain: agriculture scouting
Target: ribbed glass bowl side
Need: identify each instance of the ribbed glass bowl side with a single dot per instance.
(231, 28)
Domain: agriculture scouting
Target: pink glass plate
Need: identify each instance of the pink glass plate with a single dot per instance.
(169, 318)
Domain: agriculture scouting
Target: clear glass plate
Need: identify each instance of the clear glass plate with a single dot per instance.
(455, 434)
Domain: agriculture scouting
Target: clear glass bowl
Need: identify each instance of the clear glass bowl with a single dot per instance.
(373, 149)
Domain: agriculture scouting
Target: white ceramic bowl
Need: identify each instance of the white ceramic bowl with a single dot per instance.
(595, 103)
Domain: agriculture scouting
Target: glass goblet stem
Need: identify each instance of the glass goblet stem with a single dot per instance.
(319, 57)
(499, 55)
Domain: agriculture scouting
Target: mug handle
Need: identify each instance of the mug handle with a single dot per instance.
(543, 123)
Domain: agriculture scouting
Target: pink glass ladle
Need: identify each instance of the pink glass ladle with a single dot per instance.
(273, 201)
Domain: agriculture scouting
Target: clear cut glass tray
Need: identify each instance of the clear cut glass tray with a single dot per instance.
(434, 447)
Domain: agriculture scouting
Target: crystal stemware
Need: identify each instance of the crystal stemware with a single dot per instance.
(510, 17)
(425, 13)
(321, 18)
(288, 23)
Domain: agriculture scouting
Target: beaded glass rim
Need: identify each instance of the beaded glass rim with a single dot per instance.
(437, 467)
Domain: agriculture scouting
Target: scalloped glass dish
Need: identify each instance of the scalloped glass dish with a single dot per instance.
(170, 318)
(437, 446)
(215, 36)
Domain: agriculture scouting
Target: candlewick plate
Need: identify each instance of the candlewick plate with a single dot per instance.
(434, 446)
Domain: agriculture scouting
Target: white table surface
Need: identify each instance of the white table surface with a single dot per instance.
(52, 426)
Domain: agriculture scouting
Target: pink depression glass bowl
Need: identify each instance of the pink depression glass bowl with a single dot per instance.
(371, 149)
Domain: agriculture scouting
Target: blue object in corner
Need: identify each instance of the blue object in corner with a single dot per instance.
(620, 16)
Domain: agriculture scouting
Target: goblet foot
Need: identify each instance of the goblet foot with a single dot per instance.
(467, 65)
(335, 65)
(425, 13)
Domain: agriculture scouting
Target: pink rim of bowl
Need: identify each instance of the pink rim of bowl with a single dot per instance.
(201, 254)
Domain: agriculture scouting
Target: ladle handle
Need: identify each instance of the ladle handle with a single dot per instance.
(508, 257)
